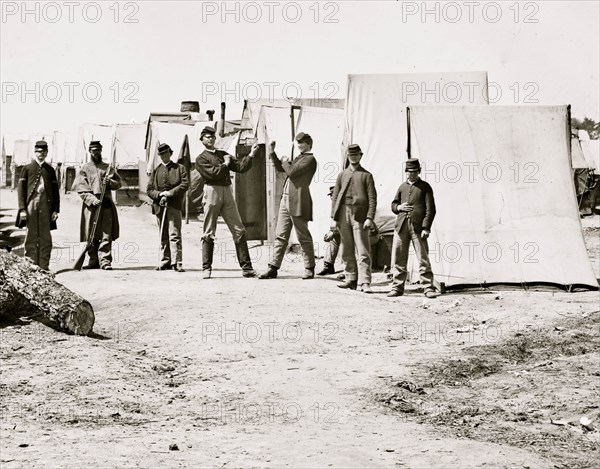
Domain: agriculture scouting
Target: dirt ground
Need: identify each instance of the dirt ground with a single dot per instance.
(233, 372)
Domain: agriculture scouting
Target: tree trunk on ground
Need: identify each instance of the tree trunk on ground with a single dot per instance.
(24, 284)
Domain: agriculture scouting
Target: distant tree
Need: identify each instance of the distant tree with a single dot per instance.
(589, 125)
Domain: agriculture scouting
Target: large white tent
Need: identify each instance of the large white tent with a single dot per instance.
(506, 205)
(376, 120)
(129, 145)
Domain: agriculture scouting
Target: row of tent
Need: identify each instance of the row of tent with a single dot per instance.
(71, 150)
(507, 208)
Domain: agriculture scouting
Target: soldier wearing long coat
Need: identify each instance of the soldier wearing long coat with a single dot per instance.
(39, 205)
(88, 183)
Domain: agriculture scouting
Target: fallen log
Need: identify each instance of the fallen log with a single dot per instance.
(24, 284)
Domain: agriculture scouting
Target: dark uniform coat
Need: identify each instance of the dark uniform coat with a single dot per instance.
(211, 166)
(364, 194)
(300, 172)
(30, 176)
(420, 196)
(172, 178)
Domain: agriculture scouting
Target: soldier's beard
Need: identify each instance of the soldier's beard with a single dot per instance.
(96, 159)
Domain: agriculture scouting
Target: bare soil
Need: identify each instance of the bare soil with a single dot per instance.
(234, 372)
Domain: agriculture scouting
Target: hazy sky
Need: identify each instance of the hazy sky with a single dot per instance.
(64, 63)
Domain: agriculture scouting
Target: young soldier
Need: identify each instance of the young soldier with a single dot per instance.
(39, 204)
(295, 207)
(214, 167)
(166, 187)
(415, 206)
(353, 208)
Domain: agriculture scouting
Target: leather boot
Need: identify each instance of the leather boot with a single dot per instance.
(350, 285)
(328, 269)
(308, 273)
(208, 246)
(271, 273)
(243, 255)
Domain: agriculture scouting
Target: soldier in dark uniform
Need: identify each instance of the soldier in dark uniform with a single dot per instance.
(414, 206)
(353, 206)
(295, 207)
(39, 205)
(214, 166)
(166, 187)
(88, 183)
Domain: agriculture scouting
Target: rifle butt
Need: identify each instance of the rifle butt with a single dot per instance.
(79, 262)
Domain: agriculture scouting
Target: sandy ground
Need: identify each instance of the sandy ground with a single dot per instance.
(243, 372)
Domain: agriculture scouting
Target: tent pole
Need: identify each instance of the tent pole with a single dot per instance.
(186, 150)
(408, 132)
(293, 122)
(569, 131)
(187, 207)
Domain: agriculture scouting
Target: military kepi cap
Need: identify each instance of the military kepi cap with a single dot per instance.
(207, 131)
(354, 149)
(412, 164)
(95, 144)
(41, 144)
(164, 148)
(302, 137)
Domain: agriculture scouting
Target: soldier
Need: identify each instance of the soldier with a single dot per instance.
(214, 167)
(166, 187)
(39, 205)
(88, 183)
(353, 206)
(415, 206)
(295, 207)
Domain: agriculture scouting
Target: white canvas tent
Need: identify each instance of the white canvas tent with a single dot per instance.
(578, 160)
(21, 154)
(506, 205)
(9, 140)
(274, 123)
(129, 142)
(591, 152)
(376, 120)
(65, 146)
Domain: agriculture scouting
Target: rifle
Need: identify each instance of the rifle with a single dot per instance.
(79, 262)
